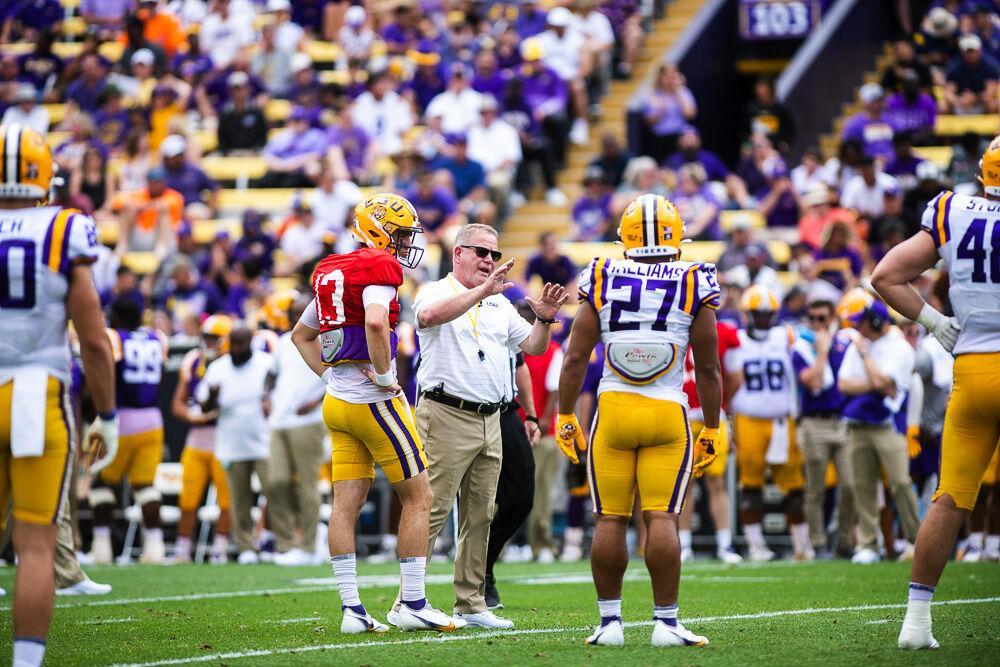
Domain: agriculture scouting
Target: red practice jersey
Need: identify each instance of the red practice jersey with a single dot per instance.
(339, 281)
(728, 339)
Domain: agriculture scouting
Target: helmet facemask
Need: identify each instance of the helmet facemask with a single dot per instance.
(402, 244)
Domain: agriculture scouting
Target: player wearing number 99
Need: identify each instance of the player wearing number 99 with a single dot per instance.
(139, 356)
(964, 231)
(346, 336)
(45, 275)
(646, 308)
(764, 407)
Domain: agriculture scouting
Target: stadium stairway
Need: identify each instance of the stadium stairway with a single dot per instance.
(520, 234)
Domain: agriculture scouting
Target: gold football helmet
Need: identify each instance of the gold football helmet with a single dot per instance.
(989, 168)
(852, 304)
(758, 298)
(26, 163)
(215, 332)
(389, 222)
(651, 226)
(275, 309)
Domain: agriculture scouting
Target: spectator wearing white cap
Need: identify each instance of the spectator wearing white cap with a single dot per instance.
(562, 47)
(201, 193)
(242, 128)
(496, 145)
(971, 80)
(355, 37)
(458, 106)
(137, 86)
(288, 35)
(26, 111)
(224, 32)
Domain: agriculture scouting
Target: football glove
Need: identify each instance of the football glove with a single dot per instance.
(913, 441)
(569, 436)
(704, 450)
(945, 329)
(100, 443)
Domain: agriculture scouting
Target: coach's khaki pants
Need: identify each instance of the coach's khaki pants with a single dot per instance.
(463, 459)
(540, 520)
(823, 440)
(66, 566)
(241, 499)
(292, 495)
(875, 448)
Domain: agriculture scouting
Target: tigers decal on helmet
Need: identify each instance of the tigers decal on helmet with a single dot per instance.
(651, 226)
(25, 163)
(389, 222)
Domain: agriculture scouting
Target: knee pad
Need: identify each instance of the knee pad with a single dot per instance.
(795, 502)
(752, 499)
(101, 495)
(147, 494)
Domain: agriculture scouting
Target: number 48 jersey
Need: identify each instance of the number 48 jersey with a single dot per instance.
(768, 390)
(646, 312)
(966, 231)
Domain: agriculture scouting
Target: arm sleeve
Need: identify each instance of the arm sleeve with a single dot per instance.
(935, 218)
(309, 317)
(81, 242)
(426, 295)
(116, 344)
(708, 287)
(592, 283)
(380, 294)
(852, 367)
(915, 401)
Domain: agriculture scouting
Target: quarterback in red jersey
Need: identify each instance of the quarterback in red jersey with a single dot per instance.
(346, 336)
(715, 474)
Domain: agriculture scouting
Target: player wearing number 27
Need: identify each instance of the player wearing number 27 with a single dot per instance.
(346, 336)
(646, 308)
(45, 276)
(964, 231)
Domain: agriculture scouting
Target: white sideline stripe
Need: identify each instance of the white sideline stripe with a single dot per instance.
(304, 619)
(102, 621)
(530, 631)
(879, 621)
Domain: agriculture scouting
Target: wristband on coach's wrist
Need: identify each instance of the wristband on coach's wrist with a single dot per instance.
(385, 379)
(107, 416)
(531, 418)
(541, 321)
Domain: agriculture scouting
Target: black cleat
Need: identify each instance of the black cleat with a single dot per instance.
(492, 597)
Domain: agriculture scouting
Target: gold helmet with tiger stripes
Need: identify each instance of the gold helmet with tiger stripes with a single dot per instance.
(26, 166)
(651, 226)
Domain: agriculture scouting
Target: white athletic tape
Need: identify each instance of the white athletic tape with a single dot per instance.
(147, 494)
(101, 496)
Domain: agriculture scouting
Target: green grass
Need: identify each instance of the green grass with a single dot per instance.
(555, 604)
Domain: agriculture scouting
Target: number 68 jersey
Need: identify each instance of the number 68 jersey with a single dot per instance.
(966, 231)
(768, 390)
(38, 247)
(646, 312)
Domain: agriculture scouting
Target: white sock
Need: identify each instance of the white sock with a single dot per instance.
(918, 606)
(182, 545)
(28, 652)
(685, 537)
(610, 609)
(666, 613)
(800, 537)
(724, 539)
(755, 535)
(976, 540)
(573, 536)
(153, 534)
(345, 569)
(220, 544)
(993, 542)
(102, 532)
(412, 571)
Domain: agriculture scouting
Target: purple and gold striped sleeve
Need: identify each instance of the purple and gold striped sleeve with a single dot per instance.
(935, 219)
(699, 288)
(593, 283)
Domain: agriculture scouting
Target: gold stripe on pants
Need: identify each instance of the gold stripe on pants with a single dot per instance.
(464, 452)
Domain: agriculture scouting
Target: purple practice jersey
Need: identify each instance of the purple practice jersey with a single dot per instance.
(139, 357)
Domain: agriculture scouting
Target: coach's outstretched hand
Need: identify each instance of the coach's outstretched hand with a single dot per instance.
(569, 436)
(549, 302)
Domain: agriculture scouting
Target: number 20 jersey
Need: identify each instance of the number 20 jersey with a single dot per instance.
(966, 231)
(646, 312)
(38, 247)
(768, 390)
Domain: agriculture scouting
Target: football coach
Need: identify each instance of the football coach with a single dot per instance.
(467, 330)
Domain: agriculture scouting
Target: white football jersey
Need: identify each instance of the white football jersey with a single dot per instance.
(646, 312)
(966, 231)
(38, 247)
(768, 389)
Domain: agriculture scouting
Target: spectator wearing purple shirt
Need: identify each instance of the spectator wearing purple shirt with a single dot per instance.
(353, 141)
(872, 126)
(400, 34)
(33, 16)
(698, 207)
(839, 263)
(429, 79)
(41, 68)
(111, 120)
(592, 211)
(690, 152)
(531, 19)
(508, 49)
(108, 16)
(911, 110)
(549, 265)
(469, 180)
(667, 111)
(186, 292)
(766, 176)
(309, 15)
(904, 163)
(546, 95)
(201, 193)
(255, 243)
(293, 157)
(435, 206)
(487, 77)
(85, 91)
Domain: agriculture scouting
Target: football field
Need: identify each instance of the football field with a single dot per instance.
(767, 614)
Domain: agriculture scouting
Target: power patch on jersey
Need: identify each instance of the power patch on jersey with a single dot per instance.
(330, 343)
(640, 363)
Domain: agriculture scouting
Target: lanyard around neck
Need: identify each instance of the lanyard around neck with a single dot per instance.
(472, 320)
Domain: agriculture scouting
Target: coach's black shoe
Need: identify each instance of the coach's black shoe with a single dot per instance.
(492, 597)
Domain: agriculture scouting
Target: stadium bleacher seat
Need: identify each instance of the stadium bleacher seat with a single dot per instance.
(728, 219)
(986, 125)
(277, 111)
(143, 263)
(57, 112)
(268, 200)
(233, 168)
(939, 155)
(74, 26)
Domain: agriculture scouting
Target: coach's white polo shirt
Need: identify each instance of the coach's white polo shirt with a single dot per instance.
(449, 353)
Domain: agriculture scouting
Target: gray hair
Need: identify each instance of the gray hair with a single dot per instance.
(466, 232)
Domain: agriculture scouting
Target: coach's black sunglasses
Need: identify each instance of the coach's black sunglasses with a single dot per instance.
(482, 252)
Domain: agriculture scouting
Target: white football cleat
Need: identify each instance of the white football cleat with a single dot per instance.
(153, 551)
(675, 635)
(973, 554)
(608, 634)
(906, 554)
(354, 623)
(293, 557)
(180, 558)
(728, 556)
(687, 555)
(248, 557)
(866, 557)
(486, 619)
(991, 555)
(3, 592)
(913, 637)
(760, 554)
(85, 587)
(571, 553)
(545, 556)
(427, 618)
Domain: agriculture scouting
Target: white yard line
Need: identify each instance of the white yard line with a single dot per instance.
(879, 621)
(305, 619)
(473, 635)
(102, 621)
